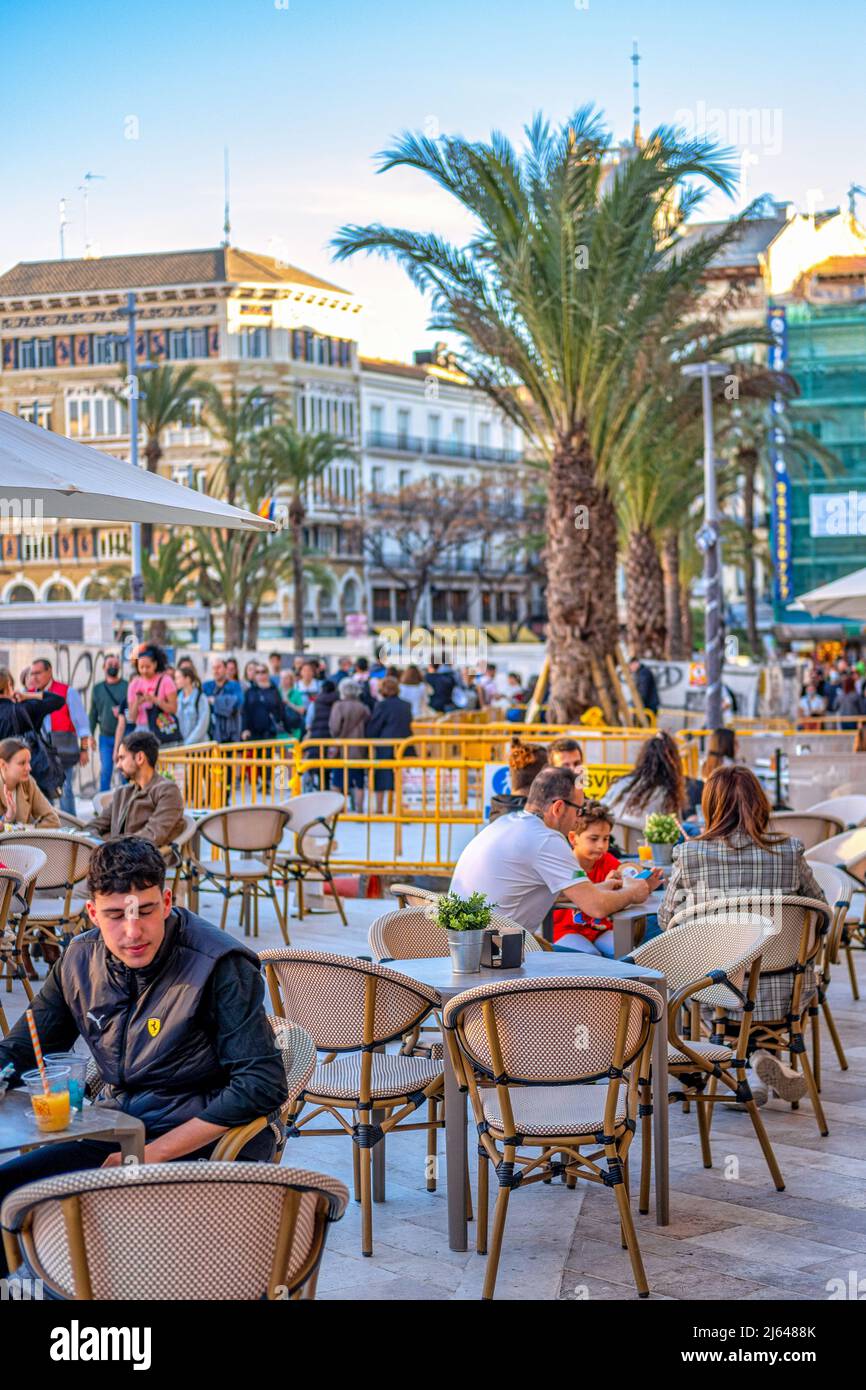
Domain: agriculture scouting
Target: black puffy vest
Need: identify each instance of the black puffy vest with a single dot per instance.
(148, 1029)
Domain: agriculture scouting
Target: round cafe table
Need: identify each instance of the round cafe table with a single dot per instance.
(18, 1129)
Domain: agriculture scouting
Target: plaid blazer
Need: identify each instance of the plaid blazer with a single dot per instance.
(706, 870)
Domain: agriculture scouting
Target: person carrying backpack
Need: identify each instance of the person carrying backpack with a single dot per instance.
(226, 698)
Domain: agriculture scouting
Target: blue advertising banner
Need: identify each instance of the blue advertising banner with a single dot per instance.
(783, 589)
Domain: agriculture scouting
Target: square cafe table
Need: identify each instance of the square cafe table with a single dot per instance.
(437, 974)
(18, 1129)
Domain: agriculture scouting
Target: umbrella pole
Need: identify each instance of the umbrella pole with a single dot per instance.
(132, 363)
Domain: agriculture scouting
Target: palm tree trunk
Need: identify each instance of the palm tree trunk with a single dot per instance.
(749, 462)
(158, 630)
(252, 632)
(686, 622)
(645, 595)
(673, 615)
(296, 521)
(581, 583)
(233, 621)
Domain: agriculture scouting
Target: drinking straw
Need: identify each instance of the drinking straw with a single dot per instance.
(37, 1048)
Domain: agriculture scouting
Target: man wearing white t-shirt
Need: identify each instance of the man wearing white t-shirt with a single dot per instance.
(523, 862)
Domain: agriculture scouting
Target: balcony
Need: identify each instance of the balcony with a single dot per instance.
(438, 448)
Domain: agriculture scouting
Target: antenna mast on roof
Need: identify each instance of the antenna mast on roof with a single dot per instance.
(227, 225)
(635, 86)
(64, 222)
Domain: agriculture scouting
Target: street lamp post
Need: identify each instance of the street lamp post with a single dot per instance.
(132, 379)
(708, 543)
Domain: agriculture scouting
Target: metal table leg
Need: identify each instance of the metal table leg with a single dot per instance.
(455, 1159)
(661, 1169)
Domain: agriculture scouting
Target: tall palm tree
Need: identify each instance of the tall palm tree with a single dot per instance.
(572, 266)
(165, 394)
(286, 461)
(234, 419)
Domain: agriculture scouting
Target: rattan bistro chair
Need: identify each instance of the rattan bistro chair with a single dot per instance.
(23, 862)
(837, 889)
(788, 985)
(706, 959)
(847, 853)
(526, 1050)
(352, 1009)
(313, 820)
(181, 1231)
(249, 837)
(56, 912)
(408, 895)
(11, 886)
(807, 826)
(849, 810)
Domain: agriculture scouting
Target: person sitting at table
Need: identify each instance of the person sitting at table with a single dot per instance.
(565, 752)
(738, 853)
(722, 751)
(525, 761)
(149, 807)
(21, 801)
(522, 862)
(656, 784)
(590, 843)
(172, 1011)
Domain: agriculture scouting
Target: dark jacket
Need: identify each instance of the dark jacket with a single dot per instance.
(442, 685)
(185, 1037)
(647, 688)
(320, 726)
(154, 813)
(266, 714)
(503, 803)
(19, 717)
(392, 718)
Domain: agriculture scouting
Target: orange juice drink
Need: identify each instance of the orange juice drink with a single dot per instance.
(51, 1106)
(645, 853)
(51, 1110)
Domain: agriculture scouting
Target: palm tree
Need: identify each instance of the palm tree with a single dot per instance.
(165, 395)
(287, 461)
(167, 578)
(234, 419)
(573, 265)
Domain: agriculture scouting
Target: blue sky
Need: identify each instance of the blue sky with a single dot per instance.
(306, 91)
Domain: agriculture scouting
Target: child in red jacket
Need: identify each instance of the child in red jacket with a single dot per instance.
(590, 842)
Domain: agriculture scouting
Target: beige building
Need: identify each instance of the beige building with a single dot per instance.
(241, 319)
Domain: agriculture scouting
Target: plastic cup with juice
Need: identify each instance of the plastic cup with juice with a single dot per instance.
(77, 1075)
(645, 853)
(51, 1107)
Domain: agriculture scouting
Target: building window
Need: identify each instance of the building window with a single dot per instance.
(403, 420)
(381, 605)
(109, 348)
(377, 421)
(458, 432)
(377, 480)
(255, 342)
(484, 434)
(36, 413)
(95, 417)
(26, 353)
(434, 431)
(405, 477)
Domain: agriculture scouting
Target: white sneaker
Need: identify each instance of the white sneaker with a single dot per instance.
(760, 1094)
(786, 1083)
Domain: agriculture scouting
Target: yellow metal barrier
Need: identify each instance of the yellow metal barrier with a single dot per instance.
(431, 794)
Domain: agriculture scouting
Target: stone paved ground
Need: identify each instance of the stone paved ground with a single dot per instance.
(730, 1236)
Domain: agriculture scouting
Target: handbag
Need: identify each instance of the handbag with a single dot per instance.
(65, 744)
(162, 725)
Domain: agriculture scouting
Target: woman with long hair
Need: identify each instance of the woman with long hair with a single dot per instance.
(193, 707)
(739, 853)
(525, 761)
(656, 784)
(721, 751)
(21, 801)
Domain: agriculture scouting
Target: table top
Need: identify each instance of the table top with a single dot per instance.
(652, 904)
(18, 1128)
(436, 971)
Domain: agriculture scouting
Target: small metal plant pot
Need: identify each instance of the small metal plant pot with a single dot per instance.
(466, 948)
(662, 854)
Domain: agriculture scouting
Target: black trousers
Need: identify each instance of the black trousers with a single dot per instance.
(53, 1159)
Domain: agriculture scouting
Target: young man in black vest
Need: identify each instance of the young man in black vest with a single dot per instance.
(172, 1011)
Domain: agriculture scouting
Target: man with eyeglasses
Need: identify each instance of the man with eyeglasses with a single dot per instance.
(265, 715)
(523, 862)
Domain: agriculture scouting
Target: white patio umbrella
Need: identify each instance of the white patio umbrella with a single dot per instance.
(843, 598)
(72, 480)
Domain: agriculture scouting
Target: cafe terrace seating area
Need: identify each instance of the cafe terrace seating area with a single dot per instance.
(557, 1188)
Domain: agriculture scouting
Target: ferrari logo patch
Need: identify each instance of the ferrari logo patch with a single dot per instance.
(153, 1026)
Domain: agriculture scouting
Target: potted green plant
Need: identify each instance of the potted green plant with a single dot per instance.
(464, 921)
(661, 834)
